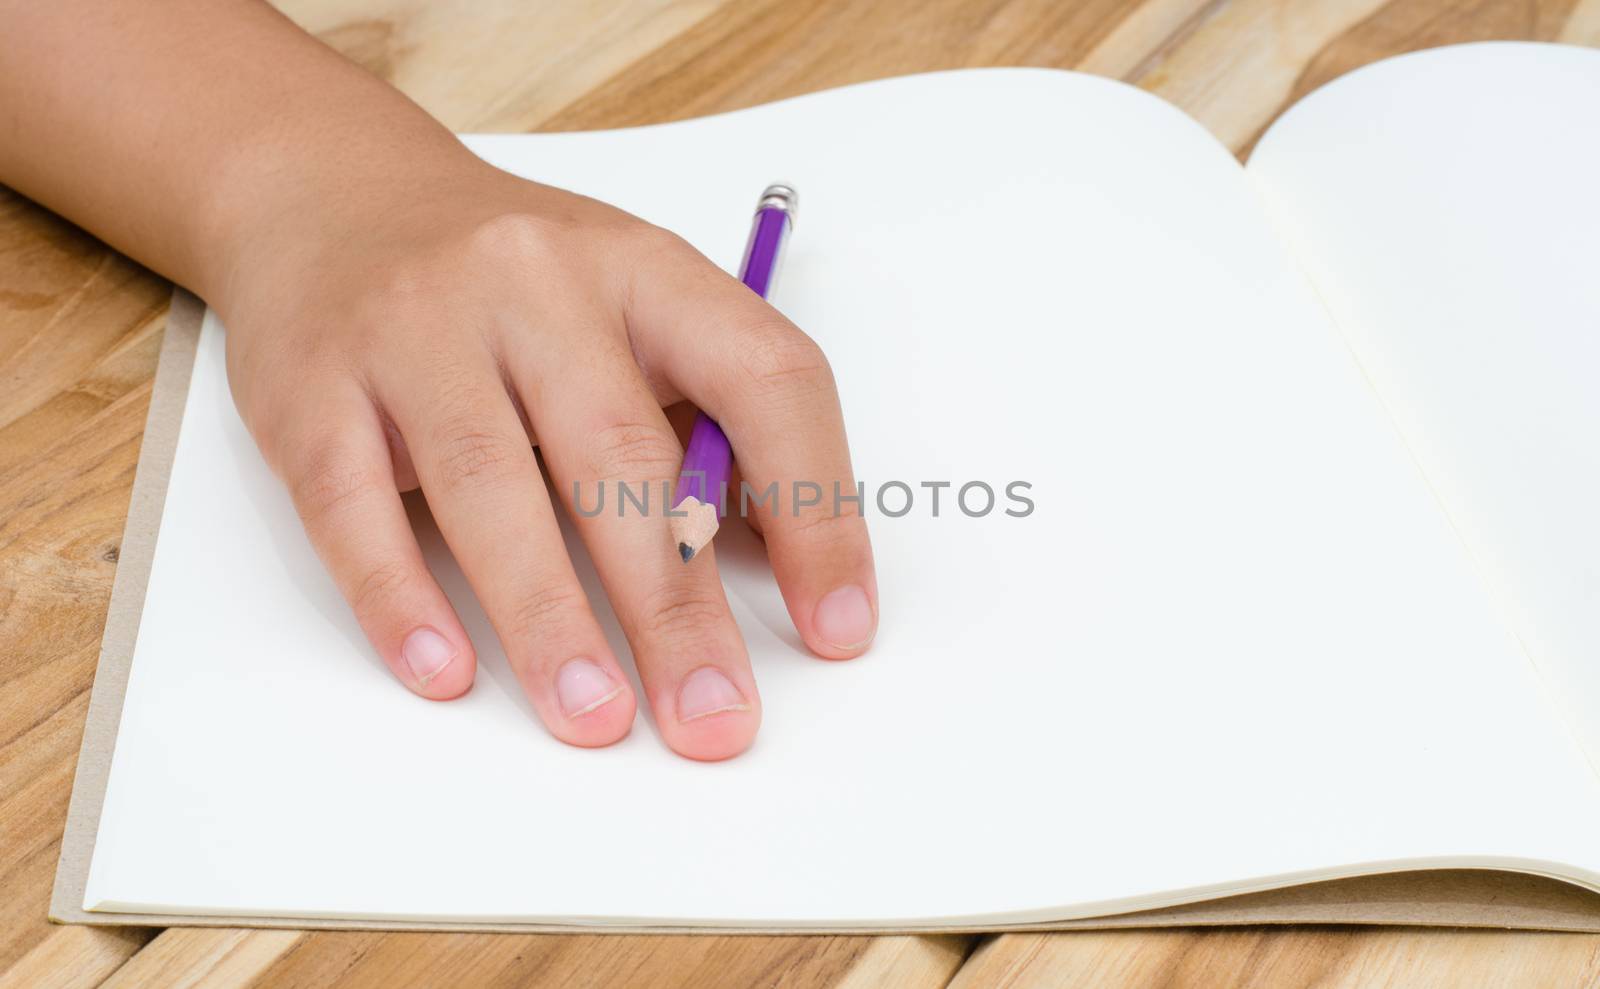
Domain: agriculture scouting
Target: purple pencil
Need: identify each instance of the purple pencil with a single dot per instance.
(701, 498)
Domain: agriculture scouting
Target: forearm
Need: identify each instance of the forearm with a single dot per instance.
(182, 131)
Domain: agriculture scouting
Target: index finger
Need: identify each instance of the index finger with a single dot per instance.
(770, 388)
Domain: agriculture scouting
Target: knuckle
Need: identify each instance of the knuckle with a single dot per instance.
(773, 357)
(677, 613)
(554, 243)
(632, 450)
(416, 288)
(543, 613)
(329, 480)
(377, 588)
(659, 241)
(467, 455)
(460, 388)
(515, 234)
(823, 524)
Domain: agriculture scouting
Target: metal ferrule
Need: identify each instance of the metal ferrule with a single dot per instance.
(782, 196)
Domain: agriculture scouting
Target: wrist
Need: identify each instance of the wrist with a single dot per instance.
(275, 212)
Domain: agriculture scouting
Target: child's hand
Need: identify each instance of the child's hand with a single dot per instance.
(423, 340)
(399, 313)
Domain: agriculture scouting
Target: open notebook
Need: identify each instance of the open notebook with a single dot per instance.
(1310, 588)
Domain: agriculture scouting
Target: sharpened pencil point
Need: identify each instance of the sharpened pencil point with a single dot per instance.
(693, 524)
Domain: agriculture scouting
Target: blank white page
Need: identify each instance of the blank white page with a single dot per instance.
(1445, 204)
(1235, 643)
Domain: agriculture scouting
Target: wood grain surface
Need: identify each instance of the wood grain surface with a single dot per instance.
(80, 327)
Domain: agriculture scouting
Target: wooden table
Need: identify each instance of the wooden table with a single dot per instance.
(80, 326)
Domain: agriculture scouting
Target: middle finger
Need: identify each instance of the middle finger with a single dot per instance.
(598, 422)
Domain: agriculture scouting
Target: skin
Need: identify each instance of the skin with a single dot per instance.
(400, 314)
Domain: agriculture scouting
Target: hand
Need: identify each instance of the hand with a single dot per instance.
(382, 342)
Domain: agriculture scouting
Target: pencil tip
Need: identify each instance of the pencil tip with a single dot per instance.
(686, 551)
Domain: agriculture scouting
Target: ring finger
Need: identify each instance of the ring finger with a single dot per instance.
(477, 469)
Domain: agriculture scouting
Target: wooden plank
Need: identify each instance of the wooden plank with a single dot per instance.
(1145, 36)
(1235, 71)
(396, 961)
(1583, 25)
(1268, 958)
(197, 958)
(761, 50)
(74, 957)
(78, 326)
(907, 961)
(502, 65)
(66, 305)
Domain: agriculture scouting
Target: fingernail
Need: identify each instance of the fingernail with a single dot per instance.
(426, 652)
(843, 618)
(705, 692)
(582, 686)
